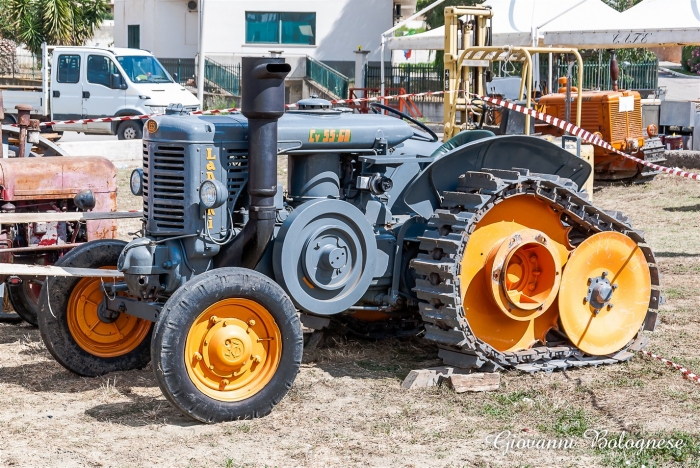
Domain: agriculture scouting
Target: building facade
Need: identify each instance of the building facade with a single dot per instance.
(326, 30)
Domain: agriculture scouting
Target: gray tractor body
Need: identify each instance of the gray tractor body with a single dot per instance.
(347, 216)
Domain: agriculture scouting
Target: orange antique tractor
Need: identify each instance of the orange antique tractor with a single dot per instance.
(616, 117)
(42, 192)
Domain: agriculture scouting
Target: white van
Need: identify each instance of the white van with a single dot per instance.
(91, 82)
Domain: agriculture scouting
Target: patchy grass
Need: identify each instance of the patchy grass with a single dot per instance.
(347, 407)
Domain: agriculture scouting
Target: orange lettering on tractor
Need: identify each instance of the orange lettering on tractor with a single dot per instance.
(329, 135)
(210, 168)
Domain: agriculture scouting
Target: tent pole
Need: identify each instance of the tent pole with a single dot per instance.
(549, 81)
(391, 30)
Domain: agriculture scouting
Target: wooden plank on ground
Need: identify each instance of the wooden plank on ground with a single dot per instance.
(15, 269)
(13, 218)
(476, 382)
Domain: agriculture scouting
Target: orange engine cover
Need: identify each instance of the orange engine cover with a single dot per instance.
(60, 178)
(600, 112)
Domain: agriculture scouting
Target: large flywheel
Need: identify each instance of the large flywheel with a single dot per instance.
(522, 271)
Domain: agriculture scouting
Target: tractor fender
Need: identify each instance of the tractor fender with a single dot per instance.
(500, 152)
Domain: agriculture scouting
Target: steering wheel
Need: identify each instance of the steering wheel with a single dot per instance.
(433, 137)
(484, 109)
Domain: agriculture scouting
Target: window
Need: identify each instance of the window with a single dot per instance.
(280, 28)
(99, 68)
(68, 69)
(134, 36)
(144, 68)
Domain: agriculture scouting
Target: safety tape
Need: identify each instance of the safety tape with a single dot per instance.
(686, 373)
(236, 109)
(562, 124)
(584, 135)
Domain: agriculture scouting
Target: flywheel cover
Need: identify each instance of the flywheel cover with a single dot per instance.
(613, 266)
(324, 256)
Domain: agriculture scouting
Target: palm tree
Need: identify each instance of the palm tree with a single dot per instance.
(56, 22)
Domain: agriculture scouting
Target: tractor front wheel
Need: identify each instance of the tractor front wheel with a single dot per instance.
(227, 346)
(76, 332)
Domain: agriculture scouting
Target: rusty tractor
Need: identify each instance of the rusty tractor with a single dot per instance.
(42, 193)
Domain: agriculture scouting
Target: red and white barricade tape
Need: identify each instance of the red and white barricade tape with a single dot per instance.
(235, 109)
(562, 124)
(584, 135)
(686, 373)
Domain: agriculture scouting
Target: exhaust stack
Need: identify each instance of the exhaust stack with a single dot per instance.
(262, 102)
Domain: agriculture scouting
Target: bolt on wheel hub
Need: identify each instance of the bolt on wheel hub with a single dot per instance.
(227, 347)
(600, 292)
(233, 349)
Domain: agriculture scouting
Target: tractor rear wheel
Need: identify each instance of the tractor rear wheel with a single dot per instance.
(227, 346)
(76, 334)
(25, 299)
(521, 271)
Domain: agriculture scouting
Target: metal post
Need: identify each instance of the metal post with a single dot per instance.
(202, 55)
(550, 82)
(23, 111)
(391, 30)
(44, 79)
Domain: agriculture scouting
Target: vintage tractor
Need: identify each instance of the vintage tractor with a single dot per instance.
(484, 244)
(616, 117)
(39, 187)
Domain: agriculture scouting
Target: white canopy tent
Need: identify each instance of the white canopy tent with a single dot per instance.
(651, 23)
(518, 22)
(589, 24)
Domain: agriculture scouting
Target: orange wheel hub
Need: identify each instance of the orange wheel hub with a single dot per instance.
(605, 293)
(233, 349)
(91, 333)
(511, 271)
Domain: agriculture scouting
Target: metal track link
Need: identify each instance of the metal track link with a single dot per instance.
(442, 248)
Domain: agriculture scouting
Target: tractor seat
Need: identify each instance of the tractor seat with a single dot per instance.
(461, 139)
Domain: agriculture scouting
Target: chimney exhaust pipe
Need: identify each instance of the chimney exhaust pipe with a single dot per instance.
(262, 102)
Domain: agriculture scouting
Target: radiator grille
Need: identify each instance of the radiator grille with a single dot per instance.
(145, 181)
(237, 175)
(167, 176)
(620, 129)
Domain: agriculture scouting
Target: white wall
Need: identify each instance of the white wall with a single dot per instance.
(169, 30)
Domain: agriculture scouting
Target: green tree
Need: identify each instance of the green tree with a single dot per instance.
(56, 22)
(622, 5)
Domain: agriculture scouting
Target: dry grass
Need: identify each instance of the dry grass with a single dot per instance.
(347, 406)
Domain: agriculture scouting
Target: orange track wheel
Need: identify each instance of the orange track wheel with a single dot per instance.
(511, 271)
(99, 338)
(233, 349)
(605, 292)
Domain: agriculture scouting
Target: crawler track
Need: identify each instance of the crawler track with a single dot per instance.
(443, 246)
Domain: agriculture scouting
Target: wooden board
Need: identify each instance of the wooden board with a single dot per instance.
(14, 269)
(13, 218)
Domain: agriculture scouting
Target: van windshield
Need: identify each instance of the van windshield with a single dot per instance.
(144, 69)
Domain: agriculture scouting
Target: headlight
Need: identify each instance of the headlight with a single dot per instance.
(157, 109)
(212, 194)
(136, 182)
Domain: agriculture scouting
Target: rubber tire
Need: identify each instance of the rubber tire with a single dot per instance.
(175, 320)
(54, 326)
(130, 124)
(24, 306)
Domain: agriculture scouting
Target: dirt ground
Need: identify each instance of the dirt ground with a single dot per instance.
(347, 406)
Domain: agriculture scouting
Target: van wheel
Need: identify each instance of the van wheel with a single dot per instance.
(130, 130)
